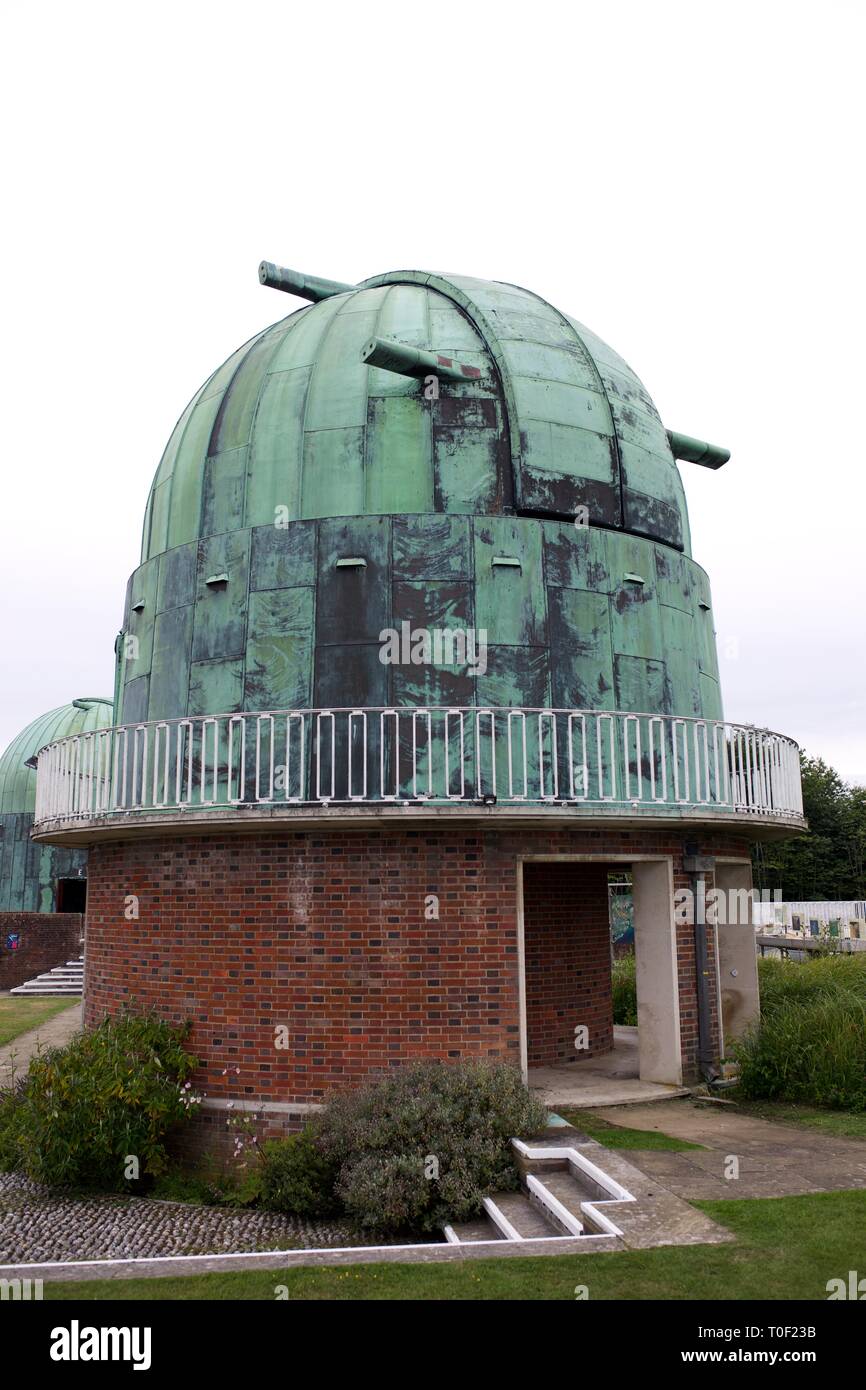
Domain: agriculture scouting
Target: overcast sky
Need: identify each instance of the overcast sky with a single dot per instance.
(687, 179)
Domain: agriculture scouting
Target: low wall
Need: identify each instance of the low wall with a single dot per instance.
(34, 942)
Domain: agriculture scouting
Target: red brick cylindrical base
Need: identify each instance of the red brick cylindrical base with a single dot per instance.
(306, 960)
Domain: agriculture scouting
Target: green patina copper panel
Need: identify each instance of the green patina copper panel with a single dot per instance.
(678, 636)
(216, 687)
(639, 684)
(580, 636)
(469, 448)
(635, 622)
(510, 597)
(276, 453)
(169, 676)
(399, 468)
(353, 602)
(283, 556)
(176, 583)
(188, 475)
(576, 557)
(225, 478)
(139, 620)
(221, 606)
(432, 547)
(334, 480)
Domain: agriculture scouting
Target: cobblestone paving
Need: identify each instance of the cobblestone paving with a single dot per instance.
(36, 1225)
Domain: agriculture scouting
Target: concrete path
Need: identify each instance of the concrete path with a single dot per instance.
(773, 1160)
(613, 1079)
(53, 1033)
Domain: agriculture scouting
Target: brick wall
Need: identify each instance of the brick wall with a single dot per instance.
(46, 939)
(334, 936)
(567, 945)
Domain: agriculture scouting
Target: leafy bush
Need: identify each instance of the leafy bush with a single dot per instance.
(81, 1110)
(624, 988)
(297, 1176)
(416, 1148)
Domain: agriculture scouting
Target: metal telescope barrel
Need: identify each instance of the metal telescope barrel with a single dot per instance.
(413, 361)
(277, 277)
(697, 450)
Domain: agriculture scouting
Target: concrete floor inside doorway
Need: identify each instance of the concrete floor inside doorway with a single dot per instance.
(612, 1079)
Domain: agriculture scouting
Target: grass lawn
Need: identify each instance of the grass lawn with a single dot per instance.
(19, 1014)
(785, 1248)
(850, 1124)
(616, 1137)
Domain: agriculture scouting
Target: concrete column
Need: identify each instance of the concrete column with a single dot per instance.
(658, 1002)
(736, 950)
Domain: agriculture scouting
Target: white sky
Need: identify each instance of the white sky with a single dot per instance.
(685, 178)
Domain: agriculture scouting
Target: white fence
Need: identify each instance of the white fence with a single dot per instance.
(409, 756)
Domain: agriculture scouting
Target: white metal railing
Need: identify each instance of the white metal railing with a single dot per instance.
(408, 756)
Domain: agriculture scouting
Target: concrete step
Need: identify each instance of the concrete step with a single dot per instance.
(471, 1232)
(67, 980)
(68, 991)
(518, 1217)
(569, 1188)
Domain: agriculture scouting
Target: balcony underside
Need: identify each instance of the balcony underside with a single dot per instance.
(120, 825)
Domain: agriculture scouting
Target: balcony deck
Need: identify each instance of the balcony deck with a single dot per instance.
(322, 766)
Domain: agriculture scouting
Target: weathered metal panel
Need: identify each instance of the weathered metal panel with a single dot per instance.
(514, 676)
(581, 653)
(225, 476)
(283, 556)
(635, 623)
(216, 687)
(510, 600)
(176, 584)
(221, 608)
(139, 621)
(639, 684)
(575, 557)
(470, 453)
(432, 547)
(169, 676)
(353, 605)
(683, 684)
(333, 482)
(276, 452)
(398, 455)
(350, 675)
(188, 475)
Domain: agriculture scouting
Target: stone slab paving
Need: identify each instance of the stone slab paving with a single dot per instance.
(775, 1160)
(54, 1032)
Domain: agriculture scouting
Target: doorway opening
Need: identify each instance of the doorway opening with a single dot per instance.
(573, 1053)
(71, 895)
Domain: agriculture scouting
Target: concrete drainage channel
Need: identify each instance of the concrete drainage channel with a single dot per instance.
(560, 1198)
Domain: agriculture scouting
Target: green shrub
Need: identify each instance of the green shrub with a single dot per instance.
(418, 1147)
(297, 1176)
(425, 1144)
(81, 1110)
(624, 987)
